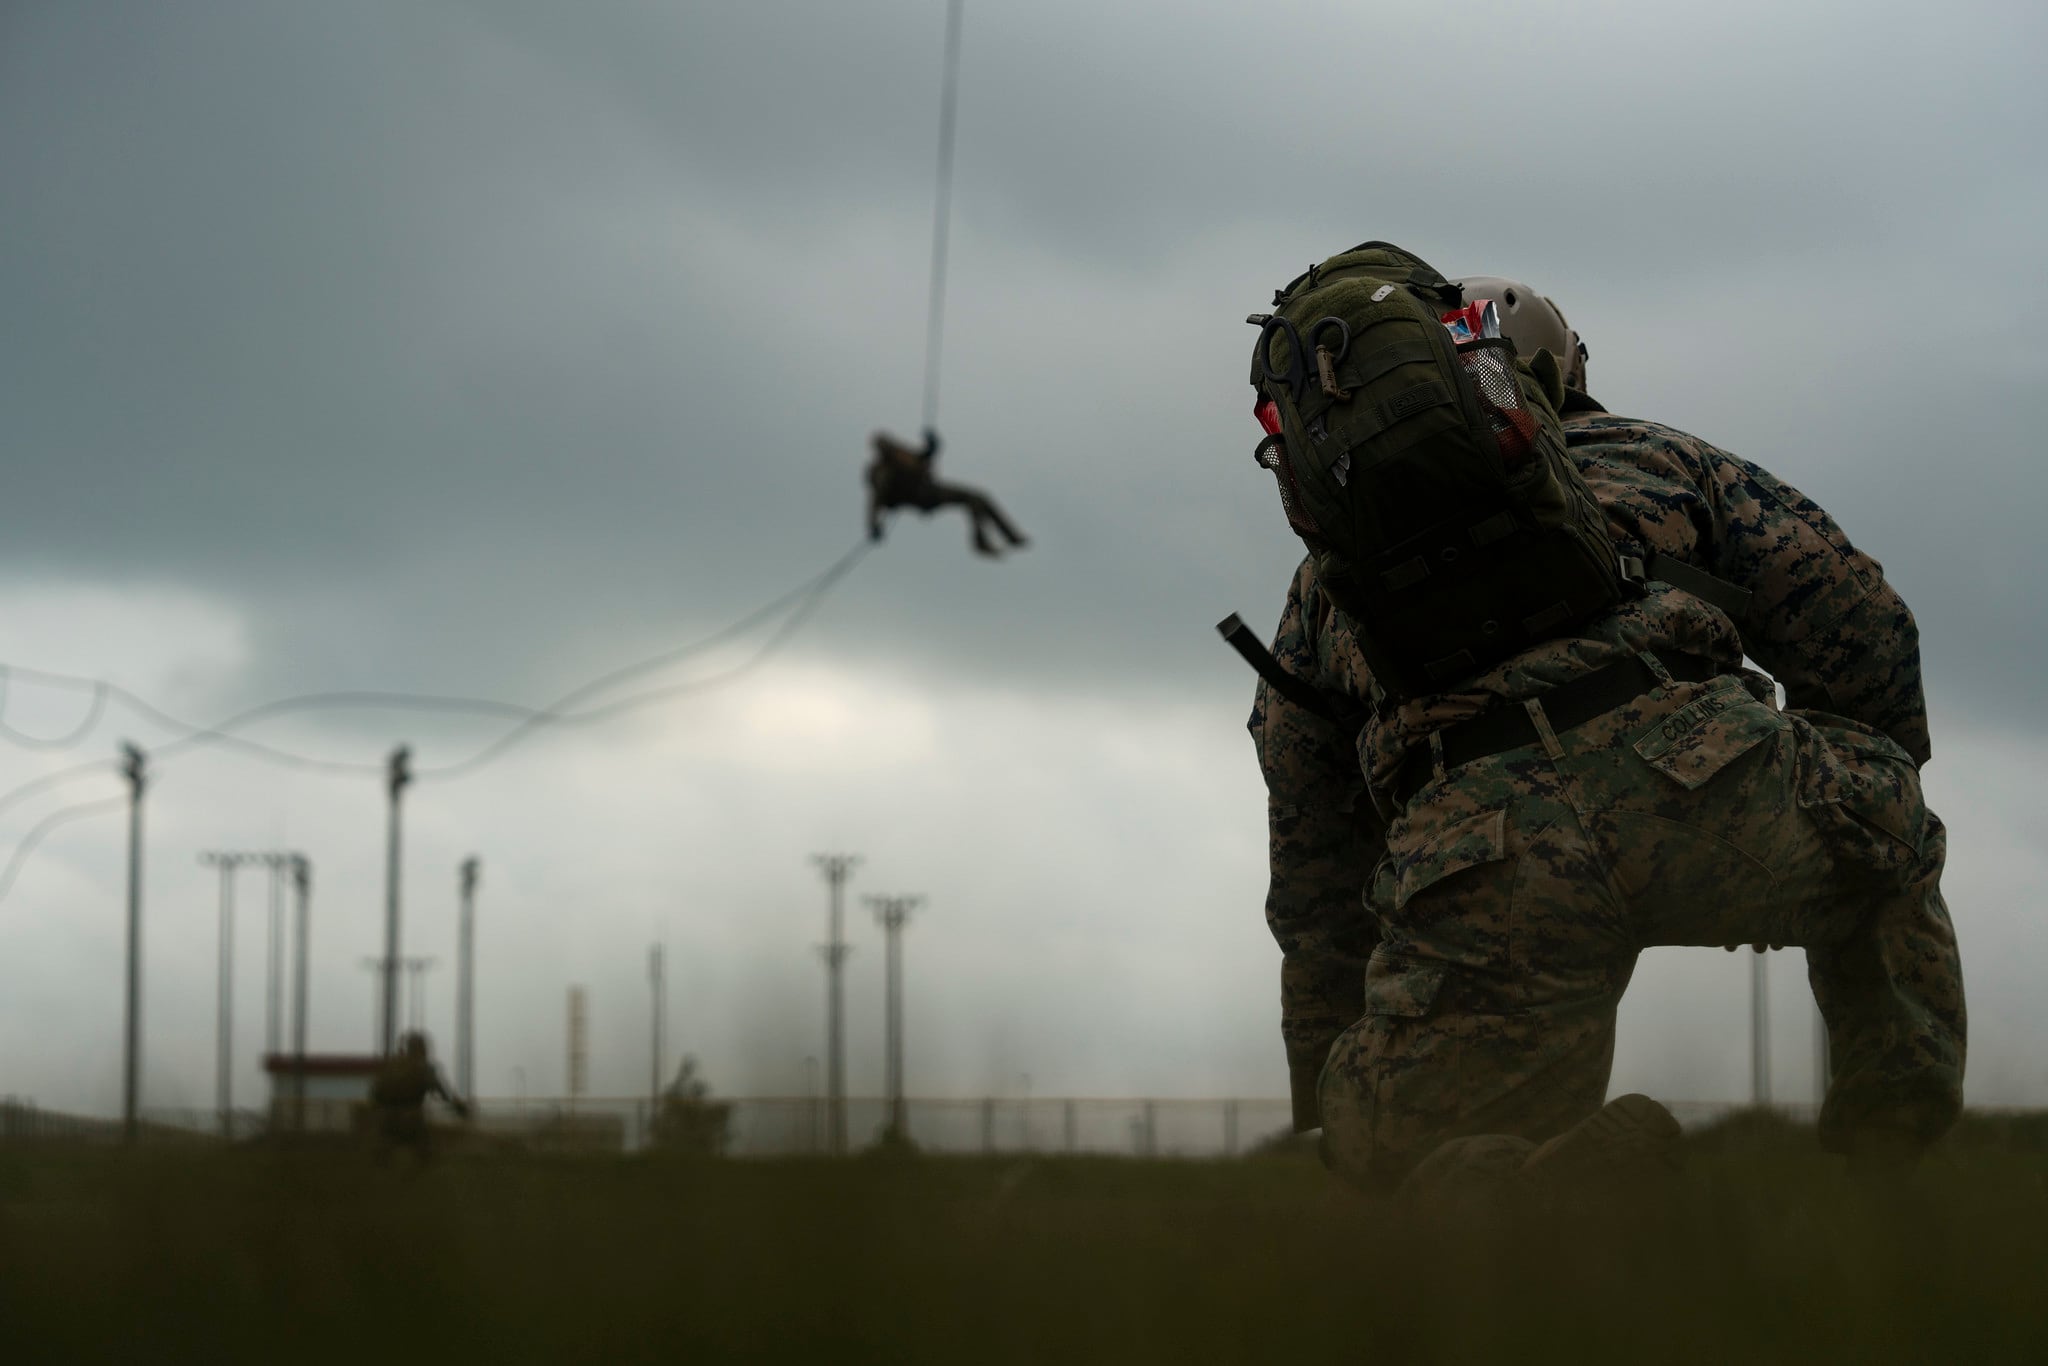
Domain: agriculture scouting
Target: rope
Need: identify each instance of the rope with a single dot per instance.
(942, 213)
(804, 599)
(807, 597)
(65, 741)
(63, 816)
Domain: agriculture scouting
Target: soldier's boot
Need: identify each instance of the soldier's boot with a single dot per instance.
(1884, 1160)
(1631, 1140)
(986, 514)
(1466, 1178)
(994, 515)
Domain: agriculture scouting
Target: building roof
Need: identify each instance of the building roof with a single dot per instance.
(322, 1064)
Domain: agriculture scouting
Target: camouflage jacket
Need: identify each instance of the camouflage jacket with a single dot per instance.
(405, 1083)
(1821, 619)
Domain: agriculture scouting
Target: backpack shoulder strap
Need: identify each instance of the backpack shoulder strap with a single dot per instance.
(1698, 582)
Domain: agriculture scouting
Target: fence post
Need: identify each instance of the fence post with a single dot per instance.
(1151, 1130)
(1067, 1124)
(988, 1125)
(1230, 1128)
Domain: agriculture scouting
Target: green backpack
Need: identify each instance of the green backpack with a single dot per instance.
(1428, 476)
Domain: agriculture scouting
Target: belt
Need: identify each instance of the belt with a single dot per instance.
(1565, 706)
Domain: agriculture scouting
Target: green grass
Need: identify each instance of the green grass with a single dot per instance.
(1765, 1252)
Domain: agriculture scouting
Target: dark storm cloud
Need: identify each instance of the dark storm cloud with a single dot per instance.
(504, 340)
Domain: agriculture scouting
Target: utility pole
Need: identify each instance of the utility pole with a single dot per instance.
(132, 768)
(375, 967)
(465, 984)
(302, 883)
(657, 984)
(273, 985)
(225, 1011)
(1759, 1031)
(892, 912)
(397, 775)
(837, 868)
(812, 1117)
(386, 972)
(579, 1045)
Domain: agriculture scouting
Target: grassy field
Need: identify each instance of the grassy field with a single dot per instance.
(1765, 1251)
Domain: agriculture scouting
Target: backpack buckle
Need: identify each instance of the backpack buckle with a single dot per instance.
(1632, 574)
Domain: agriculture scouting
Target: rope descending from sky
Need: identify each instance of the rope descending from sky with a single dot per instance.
(942, 212)
(796, 607)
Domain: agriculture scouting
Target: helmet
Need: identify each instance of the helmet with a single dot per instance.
(1532, 322)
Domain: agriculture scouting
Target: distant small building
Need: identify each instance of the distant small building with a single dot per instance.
(337, 1089)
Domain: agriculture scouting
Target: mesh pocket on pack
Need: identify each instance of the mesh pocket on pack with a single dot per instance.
(1272, 455)
(1490, 365)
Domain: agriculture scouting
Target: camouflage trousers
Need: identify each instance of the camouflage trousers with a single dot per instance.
(929, 495)
(1519, 888)
(403, 1126)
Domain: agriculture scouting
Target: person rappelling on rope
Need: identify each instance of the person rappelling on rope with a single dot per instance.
(901, 476)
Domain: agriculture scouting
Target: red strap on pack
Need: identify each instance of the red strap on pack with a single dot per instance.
(1268, 414)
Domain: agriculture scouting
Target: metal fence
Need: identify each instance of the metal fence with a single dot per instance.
(23, 1121)
(785, 1126)
(772, 1126)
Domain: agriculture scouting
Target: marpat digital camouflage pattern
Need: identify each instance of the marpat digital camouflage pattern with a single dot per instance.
(1473, 991)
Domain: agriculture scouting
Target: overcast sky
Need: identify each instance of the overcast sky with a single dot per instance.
(483, 348)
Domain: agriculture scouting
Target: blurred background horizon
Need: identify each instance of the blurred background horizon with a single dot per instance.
(482, 349)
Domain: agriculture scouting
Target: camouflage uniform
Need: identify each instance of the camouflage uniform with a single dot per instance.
(400, 1093)
(1509, 896)
(901, 476)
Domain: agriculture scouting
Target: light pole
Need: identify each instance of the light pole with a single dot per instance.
(133, 767)
(375, 967)
(225, 1010)
(657, 986)
(836, 868)
(814, 1120)
(273, 983)
(892, 912)
(384, 971)
(416, 996)
(302, 883)
(465, 984)
(398, 774)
